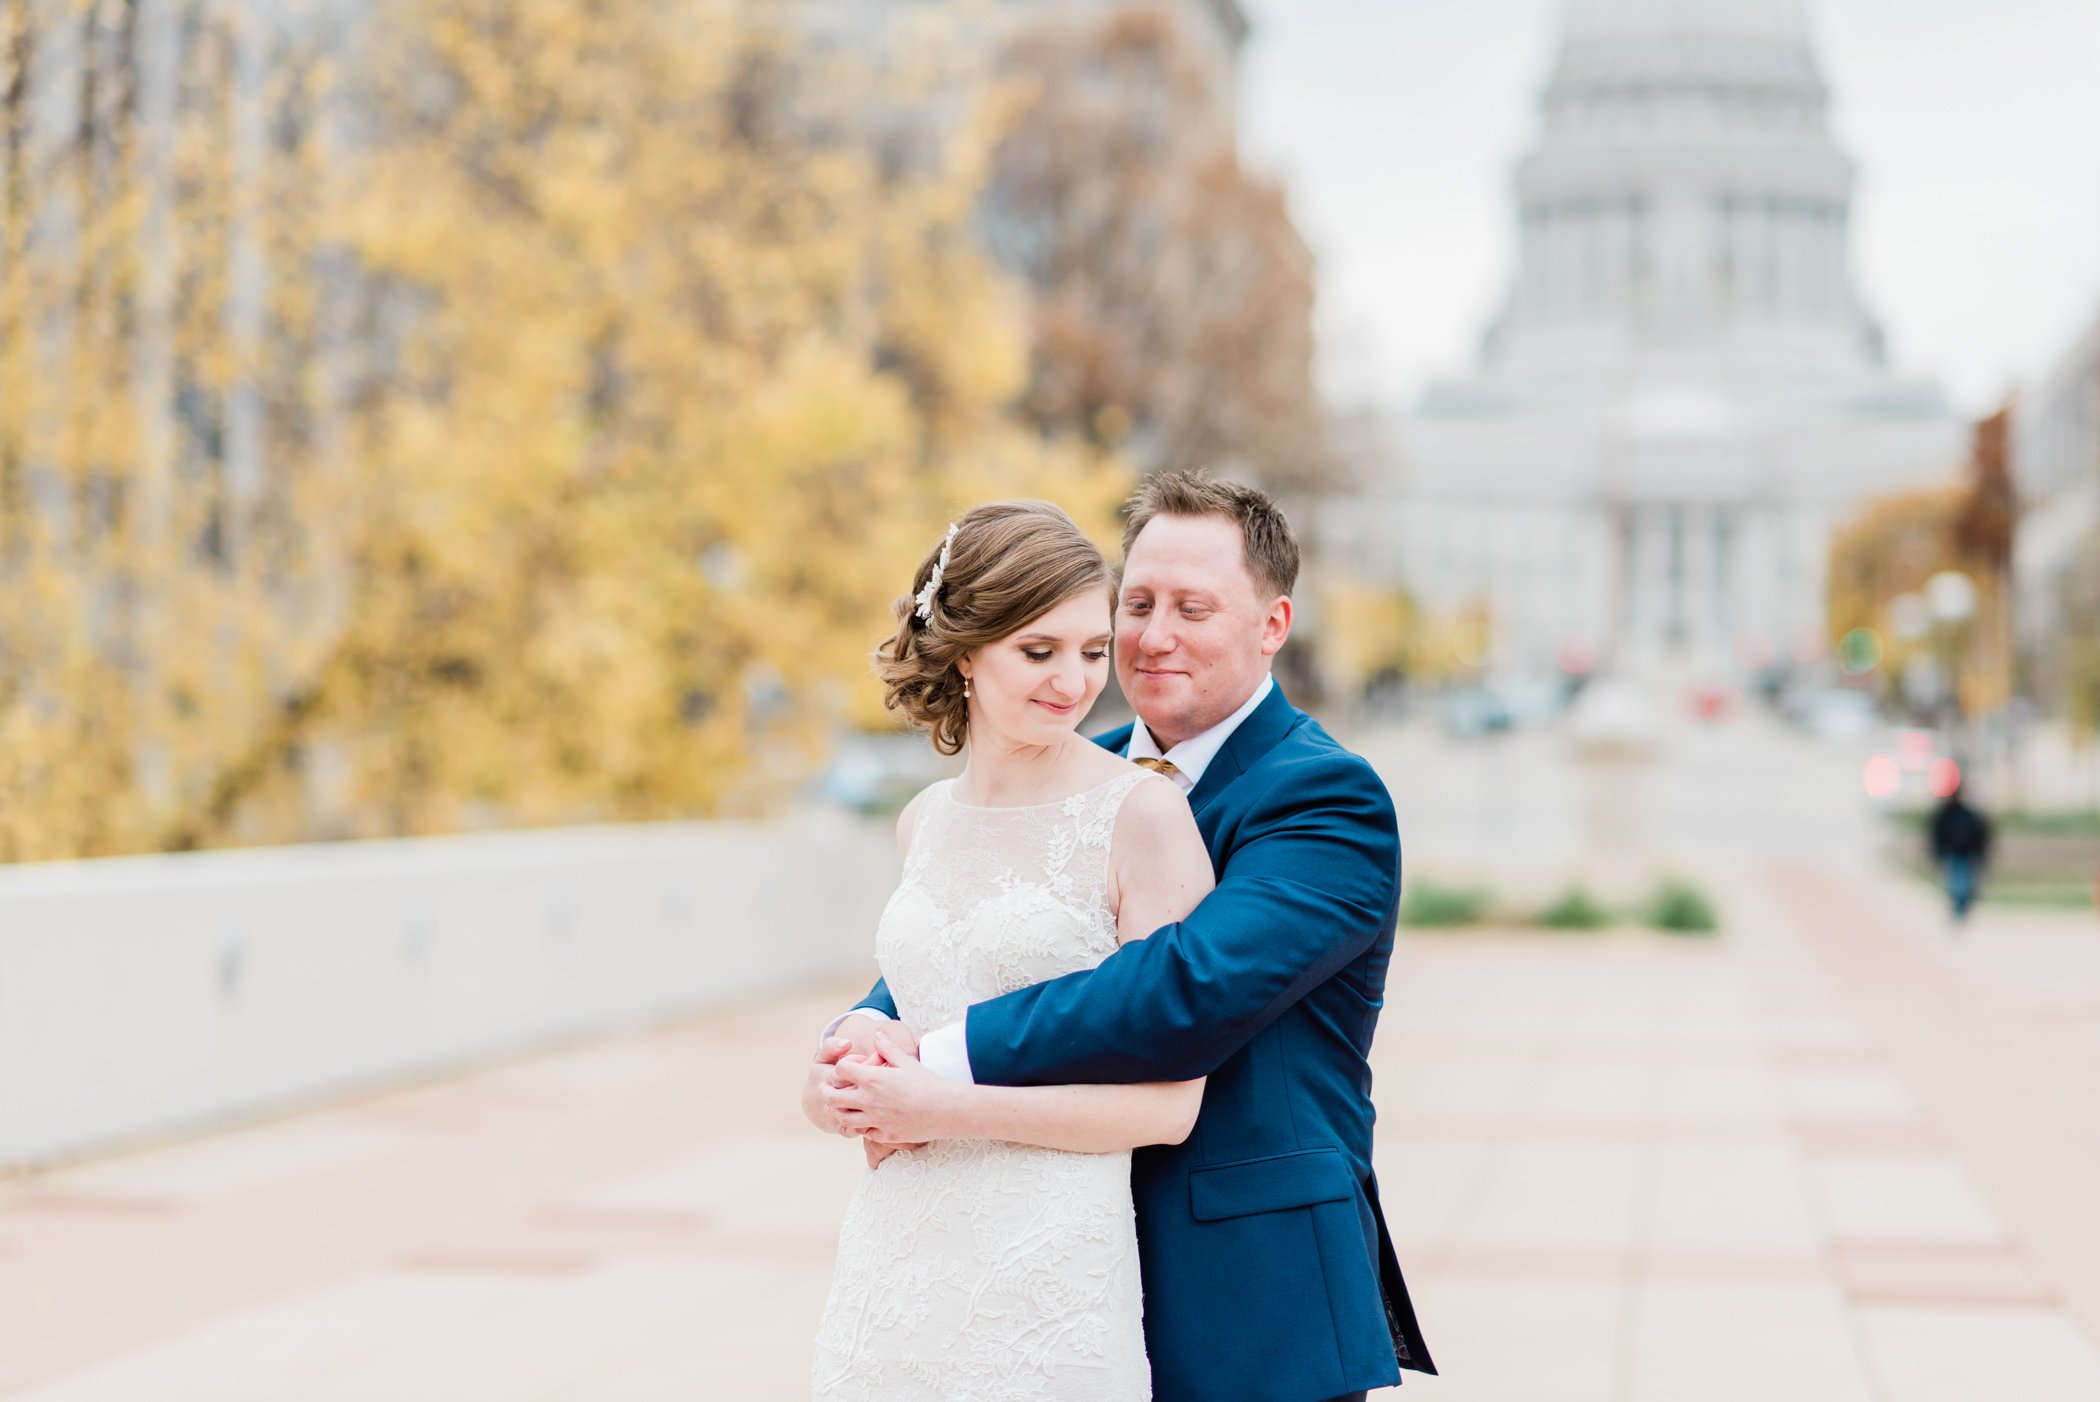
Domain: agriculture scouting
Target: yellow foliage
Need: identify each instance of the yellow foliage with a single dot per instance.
(1452, 646)
(1891, 549)
(650, 402)
(694, 393)
(158, 600)
(1366, 631)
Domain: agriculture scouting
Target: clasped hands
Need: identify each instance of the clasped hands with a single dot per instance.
(866, 1083)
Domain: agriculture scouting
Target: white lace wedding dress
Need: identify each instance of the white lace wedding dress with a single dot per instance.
(969, 1270)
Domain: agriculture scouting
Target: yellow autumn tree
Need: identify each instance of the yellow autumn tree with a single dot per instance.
(1897, 543)
(159, 593)
(532, 422)
(687, 391)
(1174, 293)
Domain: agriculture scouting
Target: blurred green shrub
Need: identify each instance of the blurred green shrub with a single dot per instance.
(1683, 909)
(1430, 906)
(1576, 910)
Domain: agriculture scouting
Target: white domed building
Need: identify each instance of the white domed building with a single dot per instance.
(1683, 393)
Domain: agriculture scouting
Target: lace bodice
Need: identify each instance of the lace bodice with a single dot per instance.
(970, 1269)
(995, 899)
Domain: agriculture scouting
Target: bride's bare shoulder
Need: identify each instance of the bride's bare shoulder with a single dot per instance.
(1085, 765)
(1155, 819)
(909, 818)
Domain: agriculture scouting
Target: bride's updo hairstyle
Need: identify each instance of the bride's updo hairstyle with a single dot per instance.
(1009, 563)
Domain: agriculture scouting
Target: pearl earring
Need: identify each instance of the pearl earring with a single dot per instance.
(966, 688)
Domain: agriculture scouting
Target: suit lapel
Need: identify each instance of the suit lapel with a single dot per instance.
(1258, 734)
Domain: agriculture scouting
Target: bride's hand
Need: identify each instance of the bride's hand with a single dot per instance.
(894, 1099)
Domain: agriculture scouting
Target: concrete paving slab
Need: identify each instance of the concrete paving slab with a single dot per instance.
(1570, 1333)
(1958, 1354)
(1743, 1341)
(1740, 1198)
(1918, 1201)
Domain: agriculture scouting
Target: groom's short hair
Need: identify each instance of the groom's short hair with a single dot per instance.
(1269, 548)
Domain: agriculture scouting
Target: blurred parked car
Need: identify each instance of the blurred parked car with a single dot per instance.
(1532, 700)
(1473, 710)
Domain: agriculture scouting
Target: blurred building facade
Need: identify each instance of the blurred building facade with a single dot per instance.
(950, 46)
(2056, 561)
(1683, 392)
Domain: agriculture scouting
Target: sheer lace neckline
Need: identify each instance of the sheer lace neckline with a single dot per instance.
(949, 793)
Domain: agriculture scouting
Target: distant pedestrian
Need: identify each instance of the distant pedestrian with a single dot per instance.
(1961, 844)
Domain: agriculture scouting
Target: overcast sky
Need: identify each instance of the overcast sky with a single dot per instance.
(1976, 125)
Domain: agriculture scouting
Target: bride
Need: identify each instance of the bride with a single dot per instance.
(999, 1259)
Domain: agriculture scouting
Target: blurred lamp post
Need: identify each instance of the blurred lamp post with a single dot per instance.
(1953, 599)
(1910, 619)
(1910, 615)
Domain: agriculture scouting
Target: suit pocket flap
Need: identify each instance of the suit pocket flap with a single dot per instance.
(1269, 1185)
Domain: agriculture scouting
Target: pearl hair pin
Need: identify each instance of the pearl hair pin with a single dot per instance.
(933, 581)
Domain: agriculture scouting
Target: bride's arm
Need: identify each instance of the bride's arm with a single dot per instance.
(854, 1034)
(1159, 870)
(898, 1101)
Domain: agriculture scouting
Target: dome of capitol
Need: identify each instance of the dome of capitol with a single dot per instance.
(1771, 21)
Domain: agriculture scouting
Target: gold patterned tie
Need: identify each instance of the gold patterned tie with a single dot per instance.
(1157, 766)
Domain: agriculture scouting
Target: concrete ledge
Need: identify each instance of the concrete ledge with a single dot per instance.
(150, 995)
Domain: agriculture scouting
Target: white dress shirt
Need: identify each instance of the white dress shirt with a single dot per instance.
(946, 1050)
(1193, 755)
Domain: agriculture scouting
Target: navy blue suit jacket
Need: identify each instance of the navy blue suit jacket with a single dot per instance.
(1269, 1274)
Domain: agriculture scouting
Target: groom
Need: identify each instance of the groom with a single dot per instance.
(1269, 1275)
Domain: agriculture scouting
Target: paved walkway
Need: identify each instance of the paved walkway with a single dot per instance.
(1837, 1153)
(650, 1219)
(1800, 1163)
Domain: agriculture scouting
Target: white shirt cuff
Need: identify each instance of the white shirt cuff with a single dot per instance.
(831, 1028)
(945, 1051)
